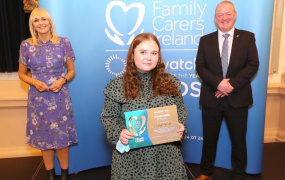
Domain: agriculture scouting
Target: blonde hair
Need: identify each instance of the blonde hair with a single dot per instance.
(43, 13)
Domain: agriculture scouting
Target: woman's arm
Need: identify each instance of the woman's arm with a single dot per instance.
(110, 118)
(57, 85)
(23, 75)
(70, 69)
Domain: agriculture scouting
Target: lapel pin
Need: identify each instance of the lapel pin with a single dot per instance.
(237, 36)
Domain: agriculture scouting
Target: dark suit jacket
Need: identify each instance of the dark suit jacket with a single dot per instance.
(242, 67)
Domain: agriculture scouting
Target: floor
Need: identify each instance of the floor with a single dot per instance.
(32, 168)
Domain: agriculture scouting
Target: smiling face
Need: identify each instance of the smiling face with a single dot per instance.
(225, 16)
(41, 25)
(146, 56)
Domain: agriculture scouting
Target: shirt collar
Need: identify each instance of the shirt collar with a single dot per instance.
(231, 32)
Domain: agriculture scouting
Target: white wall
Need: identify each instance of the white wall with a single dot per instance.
(278, 25)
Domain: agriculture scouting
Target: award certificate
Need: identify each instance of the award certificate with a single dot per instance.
(152, 126)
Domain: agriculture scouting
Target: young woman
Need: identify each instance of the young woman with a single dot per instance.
(144, 85)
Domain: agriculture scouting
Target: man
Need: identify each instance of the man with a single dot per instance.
(226, 91)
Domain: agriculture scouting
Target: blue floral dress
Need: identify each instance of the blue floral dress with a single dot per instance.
(50, 120)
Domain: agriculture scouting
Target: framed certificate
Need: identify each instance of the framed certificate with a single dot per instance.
(152, 126)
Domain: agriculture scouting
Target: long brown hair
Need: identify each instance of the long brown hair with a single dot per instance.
(161, 82)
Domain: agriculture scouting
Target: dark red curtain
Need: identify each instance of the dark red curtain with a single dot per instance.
(14, 27)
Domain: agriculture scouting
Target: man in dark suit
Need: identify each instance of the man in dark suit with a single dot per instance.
(226, 74)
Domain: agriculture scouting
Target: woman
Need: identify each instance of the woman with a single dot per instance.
(50, 121)
(144, 85)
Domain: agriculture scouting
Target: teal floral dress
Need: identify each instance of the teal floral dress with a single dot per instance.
(50, 120)
(159, 162)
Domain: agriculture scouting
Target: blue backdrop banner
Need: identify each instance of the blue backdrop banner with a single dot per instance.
(100, 33)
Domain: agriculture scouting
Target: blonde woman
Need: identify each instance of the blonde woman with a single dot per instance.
(50, 120)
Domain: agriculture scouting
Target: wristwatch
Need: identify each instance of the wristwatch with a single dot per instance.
(64, 79)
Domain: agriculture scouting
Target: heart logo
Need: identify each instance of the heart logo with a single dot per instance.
(115, 38)
(136, 125)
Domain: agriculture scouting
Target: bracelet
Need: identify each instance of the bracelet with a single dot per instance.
(64, 79)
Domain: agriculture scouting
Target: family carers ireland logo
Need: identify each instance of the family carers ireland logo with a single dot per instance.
(122, 36)
(116, 35)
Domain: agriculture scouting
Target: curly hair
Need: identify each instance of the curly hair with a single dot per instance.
(161, 81)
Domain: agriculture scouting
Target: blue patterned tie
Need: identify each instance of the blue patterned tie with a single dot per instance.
(224, 57)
